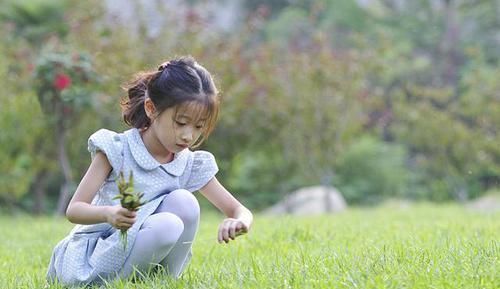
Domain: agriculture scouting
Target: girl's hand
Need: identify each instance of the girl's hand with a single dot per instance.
(231, 228)
(120, 217)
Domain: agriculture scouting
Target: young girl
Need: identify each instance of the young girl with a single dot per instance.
(171, 110)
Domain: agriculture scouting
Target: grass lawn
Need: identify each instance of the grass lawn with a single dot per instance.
(424, 246)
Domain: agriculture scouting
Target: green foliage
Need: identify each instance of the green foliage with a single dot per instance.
(35, 20)
(343, 16)
(21, 119)
(63, 83)
(306, 114)
(452, 136)
(408, 22)
(16, 181)
(292, 23)
(481, 19)
(371, 170)
(129, 199)
(29, 25)
(295, 103)
(274, 174)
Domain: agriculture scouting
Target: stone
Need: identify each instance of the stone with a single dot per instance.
(487, 203)
(310, 201)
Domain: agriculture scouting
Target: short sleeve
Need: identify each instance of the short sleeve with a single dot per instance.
(108, 142)
(203, 170)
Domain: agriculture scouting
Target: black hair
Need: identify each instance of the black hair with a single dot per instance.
(178, 82)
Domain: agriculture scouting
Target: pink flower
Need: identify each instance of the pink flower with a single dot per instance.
(62, 81)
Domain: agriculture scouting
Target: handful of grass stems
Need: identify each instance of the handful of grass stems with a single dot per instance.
(129, 199)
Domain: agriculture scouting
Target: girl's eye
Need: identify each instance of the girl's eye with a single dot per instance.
(200, 126)
(180, 123)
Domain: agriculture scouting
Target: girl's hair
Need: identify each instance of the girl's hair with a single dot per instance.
(179, 83)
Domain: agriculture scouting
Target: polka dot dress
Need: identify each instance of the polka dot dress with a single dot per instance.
(93, 253)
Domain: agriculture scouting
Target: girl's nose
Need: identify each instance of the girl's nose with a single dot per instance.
(187, 137)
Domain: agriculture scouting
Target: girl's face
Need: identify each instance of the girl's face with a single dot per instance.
(178, 128)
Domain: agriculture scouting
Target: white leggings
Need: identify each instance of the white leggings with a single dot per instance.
(166, 236)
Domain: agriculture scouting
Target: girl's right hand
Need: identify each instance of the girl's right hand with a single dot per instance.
(120, 217)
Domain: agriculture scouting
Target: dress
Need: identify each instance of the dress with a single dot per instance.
(91, 253)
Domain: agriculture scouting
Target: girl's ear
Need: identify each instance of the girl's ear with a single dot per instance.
(150, 108)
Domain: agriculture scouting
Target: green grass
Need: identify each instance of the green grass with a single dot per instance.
(425, 246)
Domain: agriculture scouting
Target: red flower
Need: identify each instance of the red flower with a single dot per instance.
(62, 81)
(31, 67)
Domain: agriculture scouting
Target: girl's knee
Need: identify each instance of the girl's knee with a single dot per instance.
(185, 197)
(189, 208)
(166, 228)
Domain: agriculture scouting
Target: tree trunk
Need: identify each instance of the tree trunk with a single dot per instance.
(449, 44)
(40, 193)
(65, 192)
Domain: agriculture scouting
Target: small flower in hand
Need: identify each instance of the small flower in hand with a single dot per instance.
(129, 199)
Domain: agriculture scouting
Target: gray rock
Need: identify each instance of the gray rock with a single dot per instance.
(487, 203)
(310, 201)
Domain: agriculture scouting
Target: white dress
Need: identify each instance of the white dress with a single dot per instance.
(91, 253)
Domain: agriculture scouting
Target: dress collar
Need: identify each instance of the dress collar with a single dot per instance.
(146, 161)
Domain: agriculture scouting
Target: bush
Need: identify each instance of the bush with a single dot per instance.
(260, 178)
(372, 170)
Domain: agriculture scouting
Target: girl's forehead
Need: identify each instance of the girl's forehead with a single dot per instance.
(193, 111)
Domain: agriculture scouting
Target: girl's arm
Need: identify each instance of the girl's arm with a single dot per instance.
(239, 218)
(80, 210)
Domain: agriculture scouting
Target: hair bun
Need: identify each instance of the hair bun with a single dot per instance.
(163, 66)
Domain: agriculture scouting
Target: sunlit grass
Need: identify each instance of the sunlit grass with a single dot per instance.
(424, 246)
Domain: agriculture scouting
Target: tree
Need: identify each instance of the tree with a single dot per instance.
(62, 84)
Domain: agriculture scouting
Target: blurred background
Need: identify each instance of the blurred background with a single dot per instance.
(381, 99)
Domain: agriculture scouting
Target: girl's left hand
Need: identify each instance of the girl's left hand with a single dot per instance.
(231, 228)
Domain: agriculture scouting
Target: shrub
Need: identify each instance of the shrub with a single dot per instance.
(372, 170)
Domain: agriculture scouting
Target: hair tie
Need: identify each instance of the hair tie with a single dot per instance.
(163, 66)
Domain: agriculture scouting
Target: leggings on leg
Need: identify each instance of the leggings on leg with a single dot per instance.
(166, 236)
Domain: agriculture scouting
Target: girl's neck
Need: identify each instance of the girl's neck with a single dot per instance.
(154, 147)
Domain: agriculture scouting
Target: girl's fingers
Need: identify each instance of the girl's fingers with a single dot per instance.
(222, 234)
(130, 221)
(225, 232)
(219, 234)
(240, 229)
(126, 220)
(244, 229)
(127, 213)
(122, 226)
(232, 230)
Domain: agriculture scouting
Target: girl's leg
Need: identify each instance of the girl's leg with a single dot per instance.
(155, 239)
(165, 237)
(183, 204)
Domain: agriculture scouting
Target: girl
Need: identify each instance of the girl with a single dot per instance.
(171, 110)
